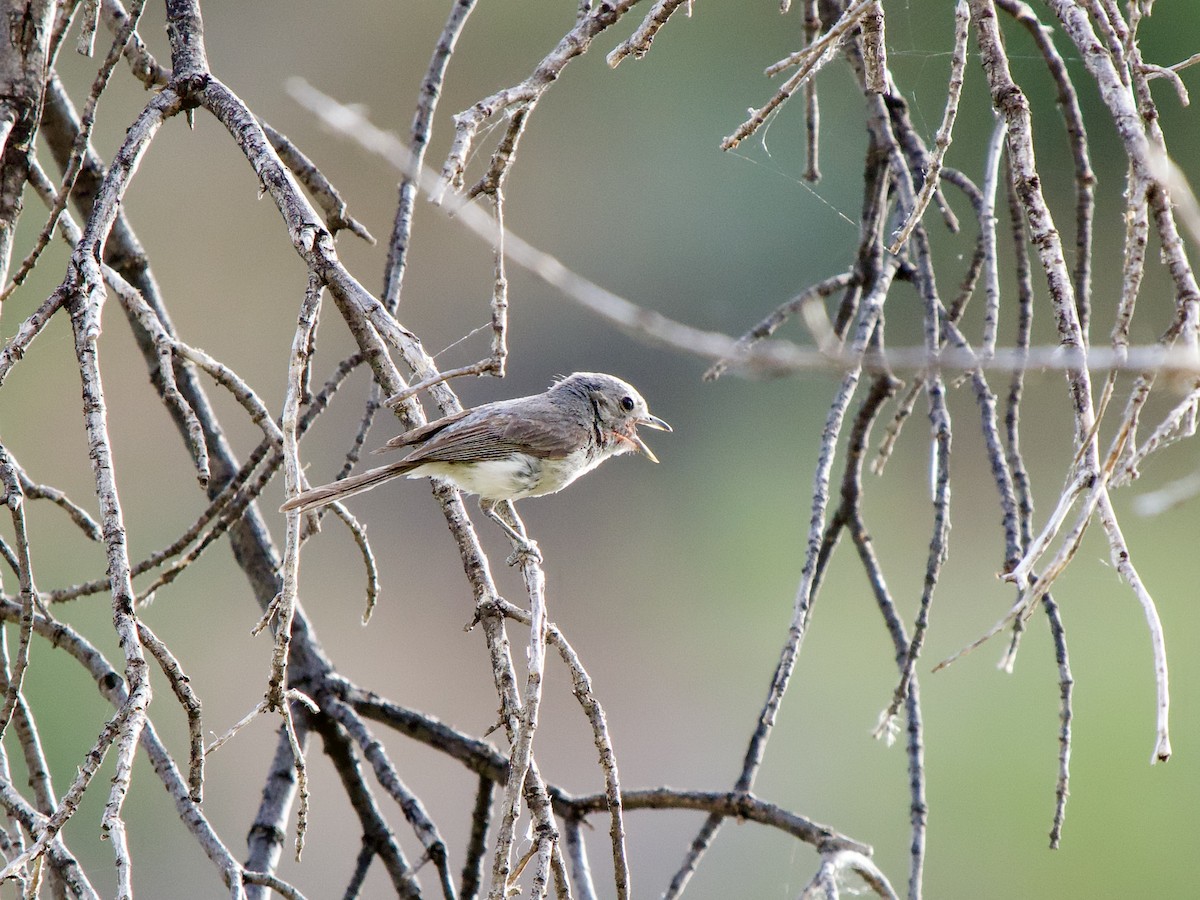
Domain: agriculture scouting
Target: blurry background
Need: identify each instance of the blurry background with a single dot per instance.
(674, 582)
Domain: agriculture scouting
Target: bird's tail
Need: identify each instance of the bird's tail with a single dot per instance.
(346, 487)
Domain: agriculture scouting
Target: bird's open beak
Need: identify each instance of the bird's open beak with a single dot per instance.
(650, 422)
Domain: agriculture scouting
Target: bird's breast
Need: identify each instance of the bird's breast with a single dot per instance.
(558, 473)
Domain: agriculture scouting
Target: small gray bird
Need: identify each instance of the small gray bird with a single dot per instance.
(511, 449)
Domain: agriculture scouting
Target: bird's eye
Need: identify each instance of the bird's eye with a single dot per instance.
(627, 403)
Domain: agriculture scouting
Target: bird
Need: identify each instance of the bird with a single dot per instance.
(512, 449)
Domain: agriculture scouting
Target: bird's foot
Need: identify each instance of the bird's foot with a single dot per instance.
(526, 550)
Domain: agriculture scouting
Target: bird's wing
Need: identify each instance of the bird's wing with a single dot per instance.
(496, 434)
(422, 433)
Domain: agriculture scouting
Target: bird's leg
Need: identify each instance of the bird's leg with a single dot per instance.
(523, 545)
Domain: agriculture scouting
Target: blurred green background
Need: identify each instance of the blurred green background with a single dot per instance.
(675, 583)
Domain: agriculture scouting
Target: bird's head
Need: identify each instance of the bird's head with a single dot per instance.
(617, 408)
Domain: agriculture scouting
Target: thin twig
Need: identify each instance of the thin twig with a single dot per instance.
(582, 688)
(812, 105)
(638, 44)
(472, 872)
(941, 144)
(86, 122)
(190, 703)
(810, 60)
(10, 483)
(524, 96)
(277, 682)
(422, 126)
(385, 773)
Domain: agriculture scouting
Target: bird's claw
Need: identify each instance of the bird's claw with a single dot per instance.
(526, 550)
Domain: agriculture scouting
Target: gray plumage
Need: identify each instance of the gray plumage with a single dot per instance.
(509, 449)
